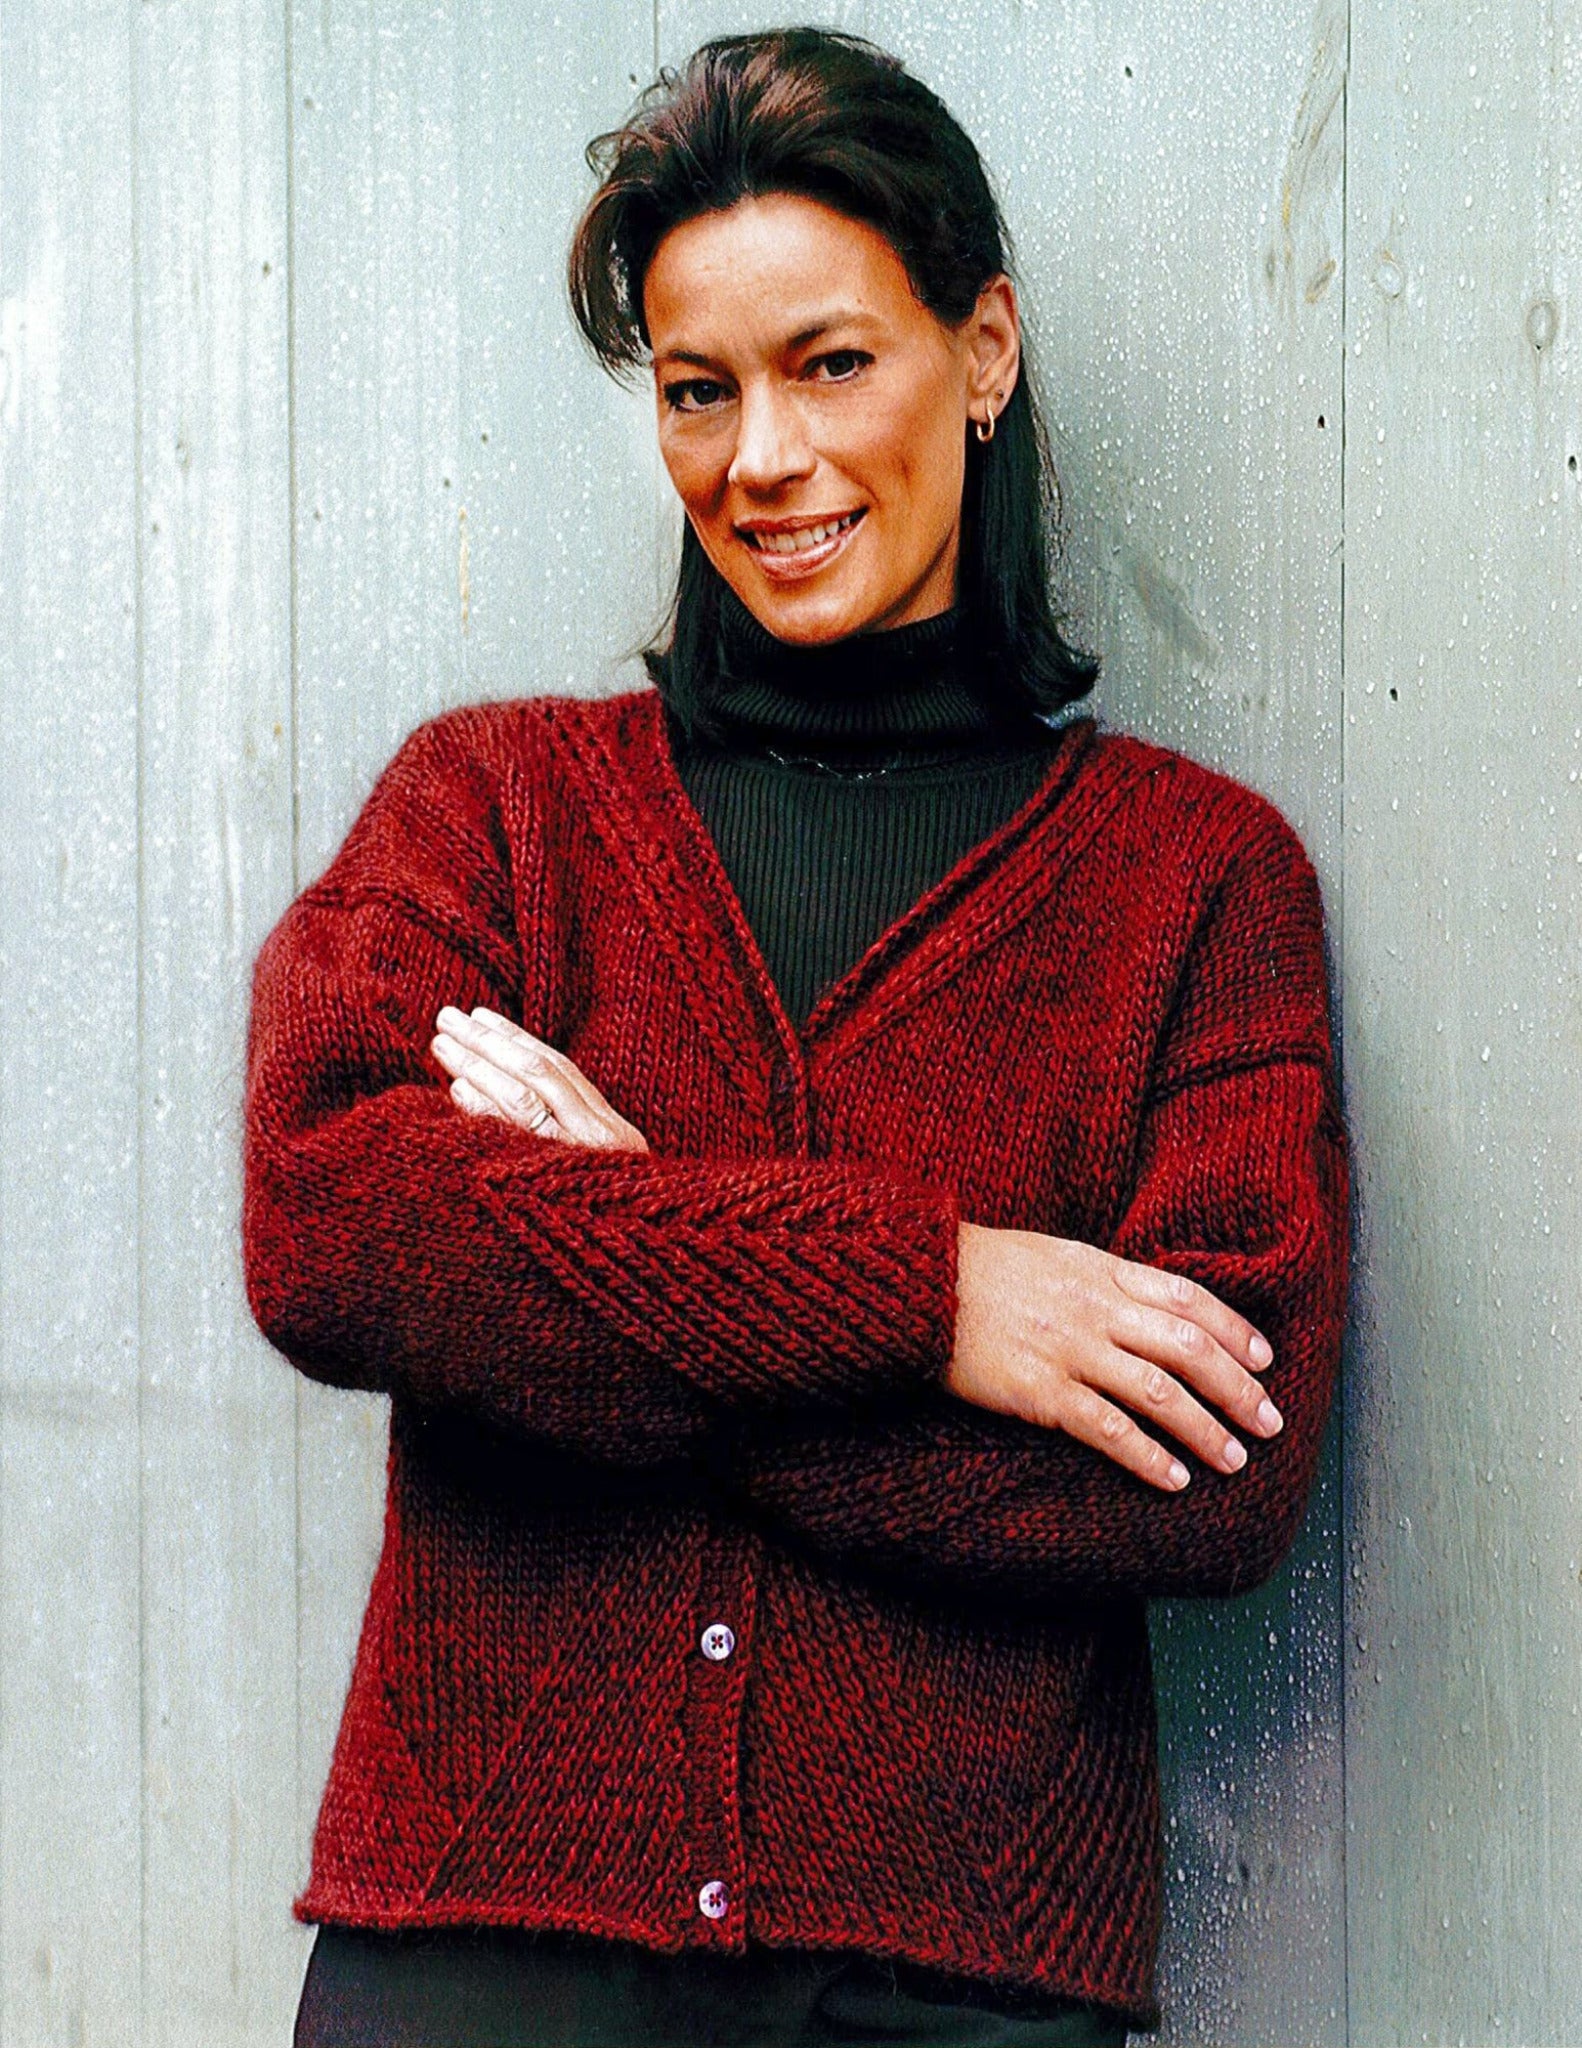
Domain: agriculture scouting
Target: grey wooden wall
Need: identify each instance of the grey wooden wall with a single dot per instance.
(298, 447)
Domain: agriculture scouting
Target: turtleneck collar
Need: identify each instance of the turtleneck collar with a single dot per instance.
(910, 694)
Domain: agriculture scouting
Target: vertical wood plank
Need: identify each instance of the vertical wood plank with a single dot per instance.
(1463, 917)
(465, 480)
(683, 24)
(70, 1847)
(558, 467)
(222, 1956)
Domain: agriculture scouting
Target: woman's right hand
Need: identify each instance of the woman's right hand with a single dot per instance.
(1071, 1337)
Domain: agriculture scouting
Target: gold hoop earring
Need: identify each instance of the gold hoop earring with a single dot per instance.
(985, 428)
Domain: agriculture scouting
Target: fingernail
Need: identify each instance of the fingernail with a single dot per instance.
(1261, 1351)
(1269, 1417)
(1178, 1474)
(450, 1016)
(1235, 1456)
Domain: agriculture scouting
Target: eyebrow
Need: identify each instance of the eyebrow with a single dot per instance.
(838, 316)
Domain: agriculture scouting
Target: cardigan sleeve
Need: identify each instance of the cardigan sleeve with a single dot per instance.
(1241, 1183)
(619, 1304)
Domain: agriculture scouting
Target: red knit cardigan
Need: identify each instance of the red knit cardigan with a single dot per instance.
(636, 1396)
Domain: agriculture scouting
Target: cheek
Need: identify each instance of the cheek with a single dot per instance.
(918, 408)
(696, 464)
(923, 459)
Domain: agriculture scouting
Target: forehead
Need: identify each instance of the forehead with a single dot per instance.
(769, 268)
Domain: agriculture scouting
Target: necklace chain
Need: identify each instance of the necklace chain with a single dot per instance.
(835, 767)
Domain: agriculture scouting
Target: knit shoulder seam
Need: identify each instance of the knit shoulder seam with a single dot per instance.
(1211, 791)
(1227, 1065)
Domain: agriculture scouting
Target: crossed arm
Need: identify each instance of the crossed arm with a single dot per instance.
(988, 1483)
(1048, 1330)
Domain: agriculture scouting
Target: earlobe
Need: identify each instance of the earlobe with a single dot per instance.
(996, 350)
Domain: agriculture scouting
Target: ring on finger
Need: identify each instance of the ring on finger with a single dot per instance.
(536, 1108)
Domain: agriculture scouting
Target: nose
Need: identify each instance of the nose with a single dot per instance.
(771, 440)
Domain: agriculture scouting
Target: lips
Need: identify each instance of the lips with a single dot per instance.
(787, 553)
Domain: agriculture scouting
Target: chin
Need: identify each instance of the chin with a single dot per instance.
(800, 630)
(808, 618)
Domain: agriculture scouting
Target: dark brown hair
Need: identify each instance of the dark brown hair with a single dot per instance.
(833, 118)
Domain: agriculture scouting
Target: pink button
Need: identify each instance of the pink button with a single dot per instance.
(714, 1901)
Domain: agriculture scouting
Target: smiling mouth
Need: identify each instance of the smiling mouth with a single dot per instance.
(804, 540)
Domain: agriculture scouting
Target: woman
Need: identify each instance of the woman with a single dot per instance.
(773, 1135)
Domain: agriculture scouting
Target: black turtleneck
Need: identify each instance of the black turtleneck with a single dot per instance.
(840, 782)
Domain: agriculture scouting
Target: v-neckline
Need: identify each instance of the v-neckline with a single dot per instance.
(942, 907)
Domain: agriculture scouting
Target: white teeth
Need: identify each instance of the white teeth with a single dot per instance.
(808, 537)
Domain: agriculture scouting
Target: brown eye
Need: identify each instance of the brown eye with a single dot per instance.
(841, 363)
(693, 394)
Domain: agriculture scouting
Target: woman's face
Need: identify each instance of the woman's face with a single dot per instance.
(813, 413)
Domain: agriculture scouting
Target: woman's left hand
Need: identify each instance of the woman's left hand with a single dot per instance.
(498, 1069)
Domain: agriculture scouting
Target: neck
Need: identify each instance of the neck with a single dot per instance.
(916, 691)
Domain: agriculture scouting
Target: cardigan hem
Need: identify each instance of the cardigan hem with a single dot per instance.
(1140, 2011)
